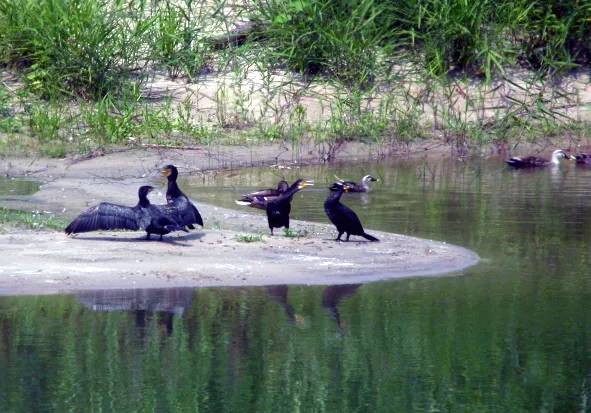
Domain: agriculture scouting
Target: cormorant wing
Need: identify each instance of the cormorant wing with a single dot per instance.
(188, 213)
(166, 216)
(263, 192)
(106, 216)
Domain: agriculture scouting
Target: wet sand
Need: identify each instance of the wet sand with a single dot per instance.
(37, 262)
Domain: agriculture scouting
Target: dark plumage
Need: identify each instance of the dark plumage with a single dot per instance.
(536, 162)
(342, 216)
(583, 159)
(362, 186)
(154, 219)
(259, 199)
(188, 213)
(278, 209)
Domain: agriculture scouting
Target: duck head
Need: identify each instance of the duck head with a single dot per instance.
(368, 178)
(560, 154)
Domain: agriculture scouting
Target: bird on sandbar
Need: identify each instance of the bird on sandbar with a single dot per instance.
(537, 162)
(258, 199)
(154, 219)
(189, 215)
(362, 186)
(342, 216)
(278, 209)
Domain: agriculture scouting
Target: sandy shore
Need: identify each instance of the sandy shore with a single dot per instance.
(50, 262)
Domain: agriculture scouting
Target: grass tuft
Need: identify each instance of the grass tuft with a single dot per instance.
(290, 233)
(36, 220)
(248, 238)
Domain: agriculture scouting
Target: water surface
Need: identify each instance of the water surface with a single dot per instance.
(508, 335)
(13, 186)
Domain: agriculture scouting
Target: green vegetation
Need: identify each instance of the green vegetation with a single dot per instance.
(347, 38)
(248, 238)
(30, 220)
(83, 75)
(291, 233)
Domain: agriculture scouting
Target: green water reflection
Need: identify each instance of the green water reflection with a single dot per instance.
(10, 186)
(509, 335)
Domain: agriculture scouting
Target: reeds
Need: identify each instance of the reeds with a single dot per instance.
(381, 71)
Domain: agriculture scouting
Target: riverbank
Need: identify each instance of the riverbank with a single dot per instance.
(38, 262)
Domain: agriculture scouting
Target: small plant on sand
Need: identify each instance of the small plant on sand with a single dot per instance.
(30, 220)
(248, 238)
(290, 233)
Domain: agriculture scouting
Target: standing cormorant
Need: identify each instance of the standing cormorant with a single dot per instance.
(537, 162)
(342, 216)
(188, 213)
(154, 219)
(278, 209)
(259, 199)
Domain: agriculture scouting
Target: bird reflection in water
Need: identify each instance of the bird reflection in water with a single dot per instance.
(162, 305)
(332, 297)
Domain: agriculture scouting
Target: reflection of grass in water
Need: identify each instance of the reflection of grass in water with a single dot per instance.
(30, 220)
(250, 238)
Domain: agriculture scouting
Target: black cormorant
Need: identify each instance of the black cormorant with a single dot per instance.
(342, 216)
(259, 199)
(154, 219)
(189, 214)
(537, 162)
(279, 208)
(362, 186)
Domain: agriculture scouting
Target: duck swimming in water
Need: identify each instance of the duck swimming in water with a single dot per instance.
(279, 208)
(537, 162)
(188, 212)
(154, 219)
(362, 186)
(342, 216)
(259, 199)
(583, 159)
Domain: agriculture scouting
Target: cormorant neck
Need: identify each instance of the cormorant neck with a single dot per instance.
(173, 189)
(291, 191)
(144, 201)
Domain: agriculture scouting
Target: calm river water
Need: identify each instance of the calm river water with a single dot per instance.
(512, 334)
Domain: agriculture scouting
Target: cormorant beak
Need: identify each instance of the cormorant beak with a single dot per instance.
(305, 183)
(341, 180)
(166, 172)
(571, 157)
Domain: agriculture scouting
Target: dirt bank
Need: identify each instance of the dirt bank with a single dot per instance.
(50, 262)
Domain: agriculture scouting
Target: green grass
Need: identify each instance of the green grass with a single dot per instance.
(248, 238)
(10, 218)
(291, 233)
(392, 72)
(348, 38)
